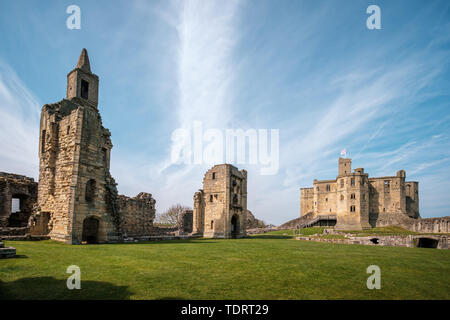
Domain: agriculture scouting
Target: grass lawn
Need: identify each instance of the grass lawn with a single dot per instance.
(269, 266)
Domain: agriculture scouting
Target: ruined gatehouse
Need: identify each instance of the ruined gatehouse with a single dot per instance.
(220, 208)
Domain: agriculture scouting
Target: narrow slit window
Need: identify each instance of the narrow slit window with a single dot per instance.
(43, 142)
(84, 89)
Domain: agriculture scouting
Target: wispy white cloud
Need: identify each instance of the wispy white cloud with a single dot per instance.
(204, 80)
(281, 69)
(205, 77)
(19, 123)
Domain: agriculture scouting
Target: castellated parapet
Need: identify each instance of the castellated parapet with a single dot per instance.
(360, 202)
(220, 208)
(76, 192)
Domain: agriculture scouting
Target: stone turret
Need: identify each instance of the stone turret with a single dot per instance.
(82, 83)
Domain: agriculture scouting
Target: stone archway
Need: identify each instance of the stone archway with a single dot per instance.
(90, 230)
(235, 226)
(427, 243)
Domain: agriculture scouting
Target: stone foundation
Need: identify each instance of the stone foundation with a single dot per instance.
(410, 241)
(7, 252)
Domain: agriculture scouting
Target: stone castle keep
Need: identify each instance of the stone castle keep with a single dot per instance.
(355, 201)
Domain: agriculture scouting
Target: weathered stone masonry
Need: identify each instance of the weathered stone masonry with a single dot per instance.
(14, 186)
(220, 208)
(76, 192)
(360, 202)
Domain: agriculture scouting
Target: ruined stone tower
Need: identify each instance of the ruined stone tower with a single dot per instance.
(220, 208)
(74, 161)
(76, 192)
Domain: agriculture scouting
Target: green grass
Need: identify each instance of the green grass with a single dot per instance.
(383, 231)
(333, 236)
(268, 266)
(312, 230)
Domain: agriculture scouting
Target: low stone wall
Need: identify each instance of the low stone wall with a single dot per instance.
(13, 231)
(440, 241)
(7, 252)
(432, 225)
(260, 230)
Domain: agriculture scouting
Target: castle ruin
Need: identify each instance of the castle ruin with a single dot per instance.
(220, 208)
(77, 196)
(21, 189)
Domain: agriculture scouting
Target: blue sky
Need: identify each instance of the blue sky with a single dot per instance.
(311, 69)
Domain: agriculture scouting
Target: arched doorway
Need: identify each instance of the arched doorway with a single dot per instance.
(235, 226)
(90, 230)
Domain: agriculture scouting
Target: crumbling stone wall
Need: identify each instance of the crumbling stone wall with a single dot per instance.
(432, 225)
(137, 214)
(252, 222)
(220, 208)
(185, 221)
(410, 241)
(22, 188)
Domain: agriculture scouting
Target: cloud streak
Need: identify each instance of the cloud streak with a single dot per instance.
(19, 123)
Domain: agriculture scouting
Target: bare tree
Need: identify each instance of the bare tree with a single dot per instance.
(171, 215)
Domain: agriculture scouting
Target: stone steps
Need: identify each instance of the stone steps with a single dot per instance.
(13, 231)
(6, 252)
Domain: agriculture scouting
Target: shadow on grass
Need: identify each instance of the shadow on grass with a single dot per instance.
(155, 242)
(44, 288)
(270, 236)
(19, 256)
